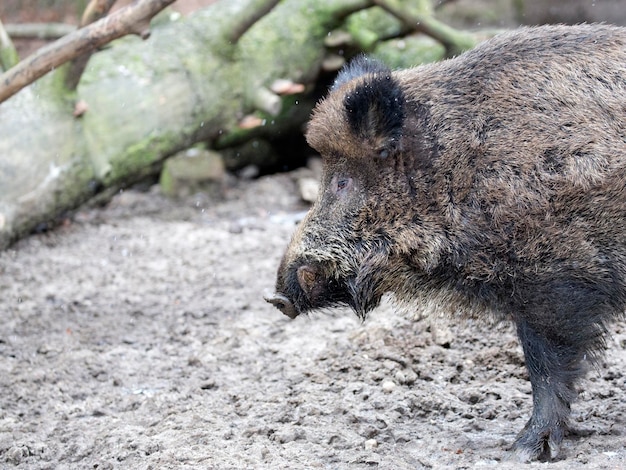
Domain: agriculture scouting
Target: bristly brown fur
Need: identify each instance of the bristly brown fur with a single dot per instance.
(495, 182)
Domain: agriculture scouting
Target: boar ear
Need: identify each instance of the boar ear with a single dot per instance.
(361, 65)
(375, 111)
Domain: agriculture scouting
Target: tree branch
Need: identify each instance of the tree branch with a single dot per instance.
(96, 9)
(454, 40)
(256, 11)
(8, 54)
(133, 19)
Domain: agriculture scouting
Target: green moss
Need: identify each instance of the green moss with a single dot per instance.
(52, 86)
(76, 185)
(8, 57)
(367, 27)
(409, 51)
(140, 158)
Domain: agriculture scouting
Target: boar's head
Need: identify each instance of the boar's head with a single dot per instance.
(356, 242)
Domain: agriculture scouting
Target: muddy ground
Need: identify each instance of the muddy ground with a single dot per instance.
(135, 336)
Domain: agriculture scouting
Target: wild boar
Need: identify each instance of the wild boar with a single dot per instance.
(493, 183)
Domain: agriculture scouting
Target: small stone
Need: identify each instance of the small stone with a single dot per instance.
(16, 454)
(191, 171)
(388, 386)
(287, 435)
(441, 334)
(406, 377)
(370, 444)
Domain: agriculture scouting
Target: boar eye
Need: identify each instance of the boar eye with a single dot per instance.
(341, 184)
(384, 153)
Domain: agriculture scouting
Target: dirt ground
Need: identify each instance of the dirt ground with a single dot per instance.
(135, 336)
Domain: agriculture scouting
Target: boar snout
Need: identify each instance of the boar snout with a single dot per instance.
(302, 287)
(283, 304)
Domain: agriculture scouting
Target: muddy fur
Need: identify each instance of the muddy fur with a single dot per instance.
(492, 183)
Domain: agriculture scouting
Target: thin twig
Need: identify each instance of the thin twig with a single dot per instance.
(133, 19)
(454, 40)
(95, 10)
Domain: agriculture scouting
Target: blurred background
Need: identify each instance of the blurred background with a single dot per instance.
(460, 13)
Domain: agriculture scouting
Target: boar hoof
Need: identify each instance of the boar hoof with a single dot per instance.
(283, 304)
(541, 443)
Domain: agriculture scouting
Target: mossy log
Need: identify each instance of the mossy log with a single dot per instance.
(146, 100)
(140, 101)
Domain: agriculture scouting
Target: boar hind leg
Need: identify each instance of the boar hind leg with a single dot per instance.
(560, 325)
(553, 367)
